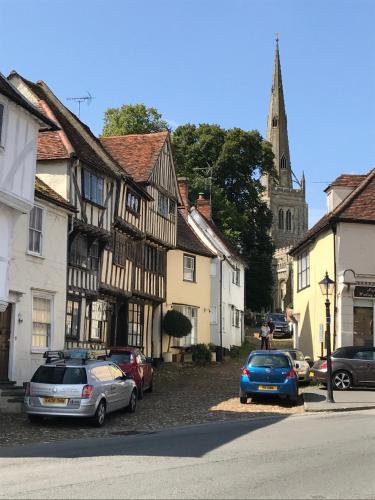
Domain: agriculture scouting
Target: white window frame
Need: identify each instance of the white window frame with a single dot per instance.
(48, 296)
(303, 270)
(236, 276)
(28, 251)
(190, 312)
(187, 269)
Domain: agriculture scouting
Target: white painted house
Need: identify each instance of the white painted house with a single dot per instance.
(227, 274)
(38, 282)
(20, 123)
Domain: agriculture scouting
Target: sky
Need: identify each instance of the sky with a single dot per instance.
(211, 61)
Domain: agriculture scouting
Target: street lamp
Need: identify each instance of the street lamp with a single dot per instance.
(327, 287)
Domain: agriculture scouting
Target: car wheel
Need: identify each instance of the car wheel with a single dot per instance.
(34, 419)
(141, 390)
(132, 406)
(243, 400)
(99, 417)
(341, 380)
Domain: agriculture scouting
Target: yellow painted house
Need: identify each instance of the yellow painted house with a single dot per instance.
(189, 285)
(342, 243)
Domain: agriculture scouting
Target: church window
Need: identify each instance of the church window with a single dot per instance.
(283, 162)
(288, 220)
(281, 219)
(275, 121)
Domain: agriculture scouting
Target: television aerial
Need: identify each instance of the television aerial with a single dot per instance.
(87, 99)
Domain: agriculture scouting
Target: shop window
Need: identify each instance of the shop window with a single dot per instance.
(135, 324)
(363, 326)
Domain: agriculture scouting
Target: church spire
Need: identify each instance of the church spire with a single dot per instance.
(277, 129)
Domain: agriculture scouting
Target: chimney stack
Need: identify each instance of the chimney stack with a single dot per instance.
(184, 194)
(204, 206)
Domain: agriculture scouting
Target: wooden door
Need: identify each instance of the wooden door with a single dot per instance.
(5, 318)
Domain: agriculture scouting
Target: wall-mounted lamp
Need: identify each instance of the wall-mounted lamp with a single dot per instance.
(20, 318)
(349, 277)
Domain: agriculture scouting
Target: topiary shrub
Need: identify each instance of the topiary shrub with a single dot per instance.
(201, 353)
(176, 324)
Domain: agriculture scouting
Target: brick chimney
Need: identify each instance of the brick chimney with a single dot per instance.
(184, 193)
(204, 206)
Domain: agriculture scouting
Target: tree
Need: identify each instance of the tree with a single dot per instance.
(133, 119)
(176, 324)
(236, 159)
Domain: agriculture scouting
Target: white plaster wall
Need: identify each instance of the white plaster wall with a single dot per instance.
(55, 175)
(336, 195)
(28, 273)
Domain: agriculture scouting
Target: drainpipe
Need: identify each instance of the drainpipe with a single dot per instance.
(334, 230)
(221, 309)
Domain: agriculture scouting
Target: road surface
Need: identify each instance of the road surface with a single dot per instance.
(300, 456)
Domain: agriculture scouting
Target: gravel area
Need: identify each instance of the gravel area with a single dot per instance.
(183, 395)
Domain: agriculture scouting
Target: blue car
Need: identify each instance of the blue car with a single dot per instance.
(268, 372)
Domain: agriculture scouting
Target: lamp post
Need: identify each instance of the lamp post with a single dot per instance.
(327, 287)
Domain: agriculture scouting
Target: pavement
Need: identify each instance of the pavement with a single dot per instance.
(310, 456)
(353, 399)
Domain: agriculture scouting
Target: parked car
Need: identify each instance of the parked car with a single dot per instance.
(78, 387)
(268, 372)
(301, 363)
(281, 325)
(132, 360)
(351, 367)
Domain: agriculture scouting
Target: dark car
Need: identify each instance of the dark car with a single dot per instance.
(351, 367)
(132, 360)
(281, 325)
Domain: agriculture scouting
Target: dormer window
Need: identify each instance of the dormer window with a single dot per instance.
(283, 162)
(275, 121)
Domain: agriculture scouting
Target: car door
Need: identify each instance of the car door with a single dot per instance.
(104, 379)
(122, 387)
(364, 366)
(146, 369)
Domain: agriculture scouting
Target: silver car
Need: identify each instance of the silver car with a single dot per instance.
(300, 362)
(71, 387)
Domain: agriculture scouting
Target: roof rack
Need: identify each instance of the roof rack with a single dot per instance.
(77, 353)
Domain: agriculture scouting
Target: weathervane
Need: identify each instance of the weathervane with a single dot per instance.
(277, 35)
(78, 100)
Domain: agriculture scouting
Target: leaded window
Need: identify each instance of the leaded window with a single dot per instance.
(133, 202)
(135, 324)
(281, 219)
(93, 187)
(288, 220)
(35, 231)
(73, 312)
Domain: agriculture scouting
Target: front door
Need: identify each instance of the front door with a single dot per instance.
(5, 318)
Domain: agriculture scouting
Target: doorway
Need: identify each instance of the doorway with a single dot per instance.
(5, 322)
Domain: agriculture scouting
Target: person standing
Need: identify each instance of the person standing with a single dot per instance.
(264, 335)
(271, 326)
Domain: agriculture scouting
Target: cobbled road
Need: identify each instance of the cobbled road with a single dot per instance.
(183, 395)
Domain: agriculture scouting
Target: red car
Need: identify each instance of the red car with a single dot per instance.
(132, 360)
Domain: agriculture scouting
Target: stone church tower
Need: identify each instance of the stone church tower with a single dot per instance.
(285, 196)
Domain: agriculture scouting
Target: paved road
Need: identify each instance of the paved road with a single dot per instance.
(298, 456)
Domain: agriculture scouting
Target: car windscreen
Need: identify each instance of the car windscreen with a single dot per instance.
(269, 361)
(278, 317)
(297, 355)
(60, 375)
(121, 357)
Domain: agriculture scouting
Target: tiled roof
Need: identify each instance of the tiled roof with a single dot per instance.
(136, 153)
(8, 90)
(84, 143)
(358, 206)
(51, 147)
(346, 180)
(42, 190)
(188, 241)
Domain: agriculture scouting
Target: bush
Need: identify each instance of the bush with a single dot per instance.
(201, 353)
(176, 324)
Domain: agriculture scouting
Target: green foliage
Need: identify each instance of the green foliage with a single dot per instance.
(212, 347)
(201, 353)
(133, 119)
(176, 324)
(237, 158)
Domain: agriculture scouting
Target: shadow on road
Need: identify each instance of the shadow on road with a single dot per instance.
(192, 441)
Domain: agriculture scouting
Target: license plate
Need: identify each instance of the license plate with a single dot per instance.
(55, 401)
(267, 388)
(312, 374)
